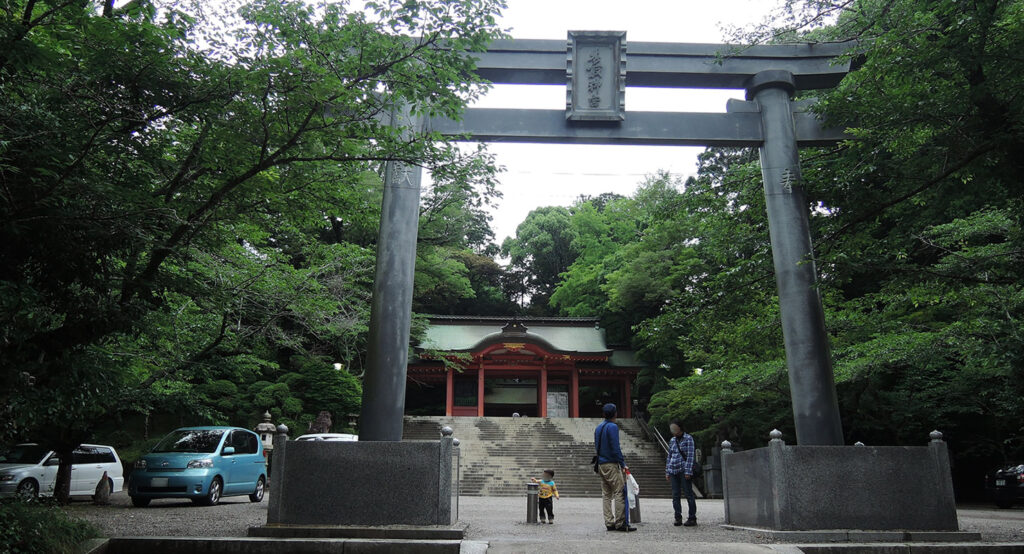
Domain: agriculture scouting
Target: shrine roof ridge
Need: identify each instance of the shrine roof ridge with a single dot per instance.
(495, 319)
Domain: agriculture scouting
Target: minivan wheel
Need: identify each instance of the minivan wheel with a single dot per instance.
(28, 489)
(140, 502)
(213, 495)
(257, 495)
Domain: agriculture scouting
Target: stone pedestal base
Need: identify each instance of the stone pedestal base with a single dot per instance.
(454, 532)
(806, 488)
(361, 483)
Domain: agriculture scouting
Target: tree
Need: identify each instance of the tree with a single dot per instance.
(604, 229)
(153, 181)
(917, 224)
(542, 250)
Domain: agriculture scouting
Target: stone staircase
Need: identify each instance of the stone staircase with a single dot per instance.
(500, 454)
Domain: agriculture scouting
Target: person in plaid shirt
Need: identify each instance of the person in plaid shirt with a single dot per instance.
(679, 472)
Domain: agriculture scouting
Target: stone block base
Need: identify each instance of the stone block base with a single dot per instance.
(255, 545)
(809, 488)
(329, 483)
(390, 532)
(857, 536)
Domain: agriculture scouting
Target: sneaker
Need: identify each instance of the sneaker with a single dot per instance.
(627, 528)
(690, 523)
(678, 522)
(551, 522)
(609, 527)
(543, 521)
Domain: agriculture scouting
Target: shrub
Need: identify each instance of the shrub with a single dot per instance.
(32, 527)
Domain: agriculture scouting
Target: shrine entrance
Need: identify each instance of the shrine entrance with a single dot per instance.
(511, 395)
(535, 367)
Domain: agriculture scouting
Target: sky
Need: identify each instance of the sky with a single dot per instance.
(544, 174)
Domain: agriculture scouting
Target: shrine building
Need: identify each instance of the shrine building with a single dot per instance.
(530, 366)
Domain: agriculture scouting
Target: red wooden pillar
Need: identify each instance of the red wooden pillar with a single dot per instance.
(480, 391)
(627, 390)
(574, 392)
(544, 390)
(449, 392)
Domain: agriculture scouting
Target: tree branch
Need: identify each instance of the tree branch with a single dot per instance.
(964, 162)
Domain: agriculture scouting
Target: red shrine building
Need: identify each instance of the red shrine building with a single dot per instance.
(530, 366)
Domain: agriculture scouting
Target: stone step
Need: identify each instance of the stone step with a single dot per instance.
(499, 455)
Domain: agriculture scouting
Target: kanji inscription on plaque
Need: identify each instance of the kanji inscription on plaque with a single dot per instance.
(595, 76)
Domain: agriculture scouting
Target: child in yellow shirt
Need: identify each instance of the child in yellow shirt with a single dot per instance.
(546, 490)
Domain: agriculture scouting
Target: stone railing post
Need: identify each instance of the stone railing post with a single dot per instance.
(944, 476)
(777, 474)
(726, 452)
(277, 475)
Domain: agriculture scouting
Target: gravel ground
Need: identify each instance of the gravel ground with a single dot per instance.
(173, 518)
(498, 520)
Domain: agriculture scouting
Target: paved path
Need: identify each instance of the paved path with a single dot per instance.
(500, 522)
(580, 519)
(579, 528)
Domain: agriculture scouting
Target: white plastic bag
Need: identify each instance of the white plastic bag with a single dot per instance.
(633, 488)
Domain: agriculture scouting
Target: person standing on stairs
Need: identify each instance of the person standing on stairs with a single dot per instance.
(611, 466)
(679, 472)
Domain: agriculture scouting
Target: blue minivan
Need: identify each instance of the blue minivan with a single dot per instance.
(202, 464)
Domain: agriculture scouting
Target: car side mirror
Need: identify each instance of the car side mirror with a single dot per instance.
(53, 461)
(227, 451)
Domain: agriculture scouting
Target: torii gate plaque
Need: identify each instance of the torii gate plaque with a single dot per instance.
(597, 66)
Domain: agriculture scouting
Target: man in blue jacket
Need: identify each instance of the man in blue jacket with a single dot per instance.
(611, 466)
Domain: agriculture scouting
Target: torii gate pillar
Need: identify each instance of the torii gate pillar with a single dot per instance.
(380, 417)
(812, 385)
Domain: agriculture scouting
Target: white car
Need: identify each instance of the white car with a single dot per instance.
(30, 470)
(328, 437)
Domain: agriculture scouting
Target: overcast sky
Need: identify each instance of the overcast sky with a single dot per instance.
(546, 175)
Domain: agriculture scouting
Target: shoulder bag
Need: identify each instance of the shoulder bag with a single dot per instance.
(697, 468)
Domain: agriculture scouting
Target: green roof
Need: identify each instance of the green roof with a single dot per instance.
(465, 337)
(463, 333)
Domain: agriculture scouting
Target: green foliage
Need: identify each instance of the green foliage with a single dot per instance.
(941, 339)
(919, 245)
(31, 527)
(731, 401)
(540, 252)
(190, 199)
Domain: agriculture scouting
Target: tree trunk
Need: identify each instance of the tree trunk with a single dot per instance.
(62, 484)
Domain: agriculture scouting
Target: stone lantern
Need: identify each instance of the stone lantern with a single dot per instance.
(266, 431)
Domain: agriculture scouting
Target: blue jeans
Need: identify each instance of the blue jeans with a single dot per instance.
(681, 484)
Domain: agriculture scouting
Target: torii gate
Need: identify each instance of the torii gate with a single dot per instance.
(596, 67)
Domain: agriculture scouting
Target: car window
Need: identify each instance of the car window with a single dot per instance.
(243, 442)
(104, 456)
(252, 443)
(190, 440)
(83, 455)
(24, 454)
